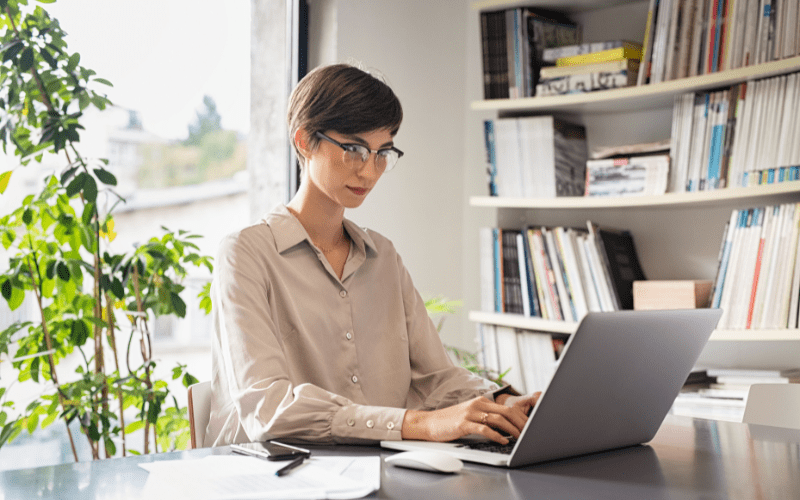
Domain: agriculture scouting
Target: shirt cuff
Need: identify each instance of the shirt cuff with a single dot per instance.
(492, 396)
(377, 423)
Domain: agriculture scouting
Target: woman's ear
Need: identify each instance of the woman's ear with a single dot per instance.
(301, 142)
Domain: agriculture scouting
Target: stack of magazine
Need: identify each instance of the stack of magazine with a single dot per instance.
(589, 67)
(725, 396)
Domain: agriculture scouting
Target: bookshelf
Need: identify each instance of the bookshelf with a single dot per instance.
(677, 235)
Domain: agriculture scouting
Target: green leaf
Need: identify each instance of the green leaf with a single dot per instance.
(111, 448)
(47, 287)
(67, 175)
(178, 304)
(105, 176)
(12, 51)
(27, 216)
(79, 333)
(88, 213)
(8, 238)
(63, 271)
(26, 59)
(73, 62)
(189, 379)
(117, 289)
(90, 189)
(93, 432)
(77, 184)
(102, 80)
(50, 419)
(4, 178)
(153, 411)
(6, 432)
(7, 288)
(50, 271)
(33, 422)
(35, 369)
(17, 297)
(134, 426)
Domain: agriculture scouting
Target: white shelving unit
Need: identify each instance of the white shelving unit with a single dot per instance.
(677, 234)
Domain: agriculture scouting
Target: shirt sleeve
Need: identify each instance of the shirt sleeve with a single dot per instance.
(435, 381)
(268, 405)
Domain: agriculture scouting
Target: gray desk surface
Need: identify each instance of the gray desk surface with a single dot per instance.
(688, 458)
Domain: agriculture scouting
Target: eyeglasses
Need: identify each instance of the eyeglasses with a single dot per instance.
(356, 155)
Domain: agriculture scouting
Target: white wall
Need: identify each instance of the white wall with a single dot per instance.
(418, 45)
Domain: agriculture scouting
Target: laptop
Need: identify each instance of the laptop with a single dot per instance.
(616, 380)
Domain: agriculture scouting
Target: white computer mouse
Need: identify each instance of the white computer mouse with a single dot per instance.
(433, 461)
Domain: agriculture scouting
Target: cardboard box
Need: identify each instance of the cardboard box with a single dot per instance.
(671, 294)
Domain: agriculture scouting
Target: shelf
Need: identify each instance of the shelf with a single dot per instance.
(523, 322)
(652, 96)
(567, 6)
(756, 335)
(756, 194)
(565, 327)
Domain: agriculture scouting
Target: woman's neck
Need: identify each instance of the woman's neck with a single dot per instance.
(321, 218)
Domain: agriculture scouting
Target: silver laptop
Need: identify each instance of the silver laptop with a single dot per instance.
(616, 381)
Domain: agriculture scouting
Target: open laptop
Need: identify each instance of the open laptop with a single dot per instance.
(616, 381)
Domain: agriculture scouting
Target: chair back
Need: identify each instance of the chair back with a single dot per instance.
(199, 411)
(777, 405)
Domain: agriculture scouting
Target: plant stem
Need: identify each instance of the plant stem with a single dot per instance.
(53, 376)
(113, 342)
(146, 352)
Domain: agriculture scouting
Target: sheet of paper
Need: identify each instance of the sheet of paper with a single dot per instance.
(228, 476)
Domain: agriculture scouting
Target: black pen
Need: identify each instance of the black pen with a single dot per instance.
(291, 465)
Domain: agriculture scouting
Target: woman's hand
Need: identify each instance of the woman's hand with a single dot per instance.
(523, 403)
(476, 416)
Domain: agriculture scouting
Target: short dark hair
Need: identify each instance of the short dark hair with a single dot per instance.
(342, 98)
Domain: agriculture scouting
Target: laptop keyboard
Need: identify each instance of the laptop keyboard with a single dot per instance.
(491, 446)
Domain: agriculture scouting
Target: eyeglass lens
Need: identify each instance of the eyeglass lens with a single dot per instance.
(385, 159)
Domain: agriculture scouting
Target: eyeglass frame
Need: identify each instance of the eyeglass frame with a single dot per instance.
(345, 146)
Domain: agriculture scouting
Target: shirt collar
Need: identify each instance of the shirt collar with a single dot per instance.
(288, 232)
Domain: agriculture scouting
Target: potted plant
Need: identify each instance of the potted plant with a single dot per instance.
(92, 303)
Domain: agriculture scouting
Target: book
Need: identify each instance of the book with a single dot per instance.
(512, 285)
(647, 47)
(753, 372)
(486, 248)
(539, 157)
(671, 294)
(625, 52)
(512, 41)
(508, 356)
(601, 152)
(618, 251)
(631, 176)
(585, 82)
(554, 54)
(631, 65)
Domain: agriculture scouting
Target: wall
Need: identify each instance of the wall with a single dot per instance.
(418, 46)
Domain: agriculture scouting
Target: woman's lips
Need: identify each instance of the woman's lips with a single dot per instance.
(358, 191)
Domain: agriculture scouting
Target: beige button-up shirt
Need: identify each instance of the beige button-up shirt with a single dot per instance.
(299, 354)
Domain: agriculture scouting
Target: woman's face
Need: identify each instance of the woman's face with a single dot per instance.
(346, 183)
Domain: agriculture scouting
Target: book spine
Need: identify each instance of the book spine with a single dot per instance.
(551, 55)
(588, 82)
(498, 270)
(491, 156)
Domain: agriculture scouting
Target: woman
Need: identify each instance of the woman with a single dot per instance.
(320, 334)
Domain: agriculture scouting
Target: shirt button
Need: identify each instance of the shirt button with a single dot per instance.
(355, 379)
(390, 425)
(349, 336)
(343, 293)
(351, 422)
(370, 424)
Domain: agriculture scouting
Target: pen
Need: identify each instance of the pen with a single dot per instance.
(291, 465)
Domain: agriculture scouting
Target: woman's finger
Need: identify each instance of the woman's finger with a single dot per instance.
(487, 432)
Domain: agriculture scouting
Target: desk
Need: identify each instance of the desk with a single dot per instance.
(689, 458)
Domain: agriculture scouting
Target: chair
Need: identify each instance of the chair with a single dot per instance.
(199, 411)
(777, 405)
